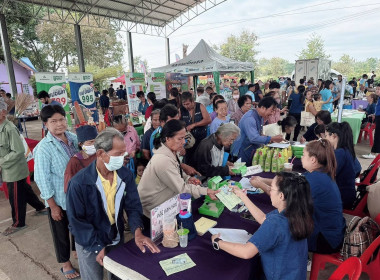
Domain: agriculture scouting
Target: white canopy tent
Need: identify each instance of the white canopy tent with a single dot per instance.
(205, 60)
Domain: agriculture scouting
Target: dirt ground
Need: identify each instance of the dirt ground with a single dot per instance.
(29, 254)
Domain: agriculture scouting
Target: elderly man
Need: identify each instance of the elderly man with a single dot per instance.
(14, 170)
(211, 153)
(97, 196)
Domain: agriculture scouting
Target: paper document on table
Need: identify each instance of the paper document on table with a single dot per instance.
(203, 225)
(252, 170)
(232, 235)
(245, 184)
(177, 264)
(228, 198)
(279, 145)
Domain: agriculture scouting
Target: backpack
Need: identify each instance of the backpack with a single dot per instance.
(360, 233)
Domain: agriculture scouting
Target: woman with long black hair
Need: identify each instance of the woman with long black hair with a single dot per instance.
(281, 239)
(348, 167)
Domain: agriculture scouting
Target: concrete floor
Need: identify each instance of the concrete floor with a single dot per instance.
(29, 254)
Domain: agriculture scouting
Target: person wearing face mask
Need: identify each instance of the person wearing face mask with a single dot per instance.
(232, 104)
(97, 198)
(51, 156)
(86, 137)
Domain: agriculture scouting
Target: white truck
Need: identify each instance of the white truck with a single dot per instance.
(317, 68)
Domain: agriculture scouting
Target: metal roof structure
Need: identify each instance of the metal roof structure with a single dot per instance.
(151, 17)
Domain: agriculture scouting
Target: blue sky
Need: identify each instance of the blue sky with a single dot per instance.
(282, 27)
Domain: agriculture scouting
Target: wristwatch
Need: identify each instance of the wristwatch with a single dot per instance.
(215, 243)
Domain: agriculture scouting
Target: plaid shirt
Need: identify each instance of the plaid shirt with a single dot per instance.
(51, 157)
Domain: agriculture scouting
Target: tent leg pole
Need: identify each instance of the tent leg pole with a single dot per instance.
(252, 76)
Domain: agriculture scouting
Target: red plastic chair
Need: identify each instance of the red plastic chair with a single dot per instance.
(368, 132)
(371, 268)
(352, 267)
(361, 209)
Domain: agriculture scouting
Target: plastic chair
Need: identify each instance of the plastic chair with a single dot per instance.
(352, 267)
(368, 132)
(361, 209)
(371, 267)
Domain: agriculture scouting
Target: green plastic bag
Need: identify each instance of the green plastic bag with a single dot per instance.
(262, 157)
(281, 161)
(274, 168)
(268, 160)
(256, 157)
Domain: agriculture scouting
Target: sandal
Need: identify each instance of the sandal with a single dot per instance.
(10, 230)
(42, 212)
(70, 272)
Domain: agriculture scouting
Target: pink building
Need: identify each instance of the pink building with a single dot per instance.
(24, 69)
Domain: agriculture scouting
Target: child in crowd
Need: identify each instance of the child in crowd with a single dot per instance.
(221, 112)
(320, 131)
(318, 102)
(140, 167)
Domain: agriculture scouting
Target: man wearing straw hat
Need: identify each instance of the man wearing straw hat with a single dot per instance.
(14, 171)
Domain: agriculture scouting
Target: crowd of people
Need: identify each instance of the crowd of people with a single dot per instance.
(88, 180)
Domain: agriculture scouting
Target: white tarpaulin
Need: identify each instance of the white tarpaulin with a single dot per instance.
(205, 60)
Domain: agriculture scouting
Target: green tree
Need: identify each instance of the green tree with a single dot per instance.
(273, 68)
(23, 39)
(345, 65)
(240, 48)
(137, 64)
(315, 48)
(100, 46)
(101, 75)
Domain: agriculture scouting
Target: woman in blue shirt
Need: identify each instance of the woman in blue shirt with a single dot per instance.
(329, 225)
(376, 139)
(326, 94)
(370, 110)
(296, 107)
(281, 238)
(348, 167)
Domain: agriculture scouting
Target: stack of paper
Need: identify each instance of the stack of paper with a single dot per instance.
(232, 235)
(203, 225)
(177, 264)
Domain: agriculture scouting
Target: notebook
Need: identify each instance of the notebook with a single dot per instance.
(203, 225)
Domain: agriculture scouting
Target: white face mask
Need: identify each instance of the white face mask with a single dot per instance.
(115, 163)
(235, 96)
(90, 150)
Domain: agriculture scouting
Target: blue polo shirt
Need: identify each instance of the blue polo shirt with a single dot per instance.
(282, 257)
(328, 210)
(345, 176)
(251, 138)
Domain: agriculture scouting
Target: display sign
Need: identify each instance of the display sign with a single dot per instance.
(134, 82)
(55, 85)
(156, 84)
(82, 90)
(169, 208)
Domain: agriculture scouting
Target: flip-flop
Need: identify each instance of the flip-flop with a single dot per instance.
(70, 272)
(10, 230)
(42, 212)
